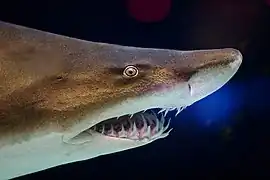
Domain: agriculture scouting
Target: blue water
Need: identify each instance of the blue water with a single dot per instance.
(222, 107)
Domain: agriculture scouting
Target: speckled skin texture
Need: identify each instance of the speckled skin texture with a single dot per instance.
(50, 82)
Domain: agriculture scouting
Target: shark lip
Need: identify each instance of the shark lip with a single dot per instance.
(143, 125)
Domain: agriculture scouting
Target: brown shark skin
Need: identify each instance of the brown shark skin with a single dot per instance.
(49, 82)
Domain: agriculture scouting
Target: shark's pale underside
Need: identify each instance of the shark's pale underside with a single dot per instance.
(64, 100)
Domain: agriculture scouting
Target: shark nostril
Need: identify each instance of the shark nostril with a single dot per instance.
(190, 89)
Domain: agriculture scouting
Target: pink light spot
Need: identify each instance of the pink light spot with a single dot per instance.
(267, 2)
(149, 10)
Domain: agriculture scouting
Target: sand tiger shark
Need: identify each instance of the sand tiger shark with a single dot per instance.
(64, 100)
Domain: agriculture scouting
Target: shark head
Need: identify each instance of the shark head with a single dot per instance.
(134, 82)
(64, 100)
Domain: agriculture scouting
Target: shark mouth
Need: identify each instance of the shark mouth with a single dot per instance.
(144, 125)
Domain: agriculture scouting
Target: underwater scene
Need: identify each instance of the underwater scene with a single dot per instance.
(136, 89)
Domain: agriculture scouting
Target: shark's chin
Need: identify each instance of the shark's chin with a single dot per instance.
(145, 126)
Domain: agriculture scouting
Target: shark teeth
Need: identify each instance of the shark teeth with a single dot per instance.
(167, 110)
(145, 125)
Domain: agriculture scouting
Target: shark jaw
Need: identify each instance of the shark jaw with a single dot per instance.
(143, 126)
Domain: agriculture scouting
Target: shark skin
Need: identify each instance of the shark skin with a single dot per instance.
(54, 89)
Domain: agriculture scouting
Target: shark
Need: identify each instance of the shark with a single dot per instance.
(64, 100)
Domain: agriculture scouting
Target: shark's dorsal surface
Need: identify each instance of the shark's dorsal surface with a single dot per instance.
(64, 100)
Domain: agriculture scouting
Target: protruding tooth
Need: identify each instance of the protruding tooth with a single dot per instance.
(157, 124)
(166, 112)
(134, 134)
(166, 127)
(134, 127)
(144, 123)
(95, 128)
(162, 110)
(130, 116)
(178, 111)
(144, 128)
(129, 130)
(103, 129)
(122, 133)
(157, 121)
(165, 134)
(162, 120)
(148, 132)
(162, 128)
(112, 133)
(158, 133)
(153, 113)
(148, 119)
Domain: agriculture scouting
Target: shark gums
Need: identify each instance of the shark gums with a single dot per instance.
(64, 100)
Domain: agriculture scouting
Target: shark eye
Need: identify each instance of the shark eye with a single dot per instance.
(130, 71)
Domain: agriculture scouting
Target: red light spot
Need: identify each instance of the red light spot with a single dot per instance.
(149, 10)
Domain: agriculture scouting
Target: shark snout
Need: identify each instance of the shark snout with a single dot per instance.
(209, 70)
(226, 56)
(237, 57)
(236, 54)
(204, 59)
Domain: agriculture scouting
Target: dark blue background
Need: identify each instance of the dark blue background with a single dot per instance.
(224, 134)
